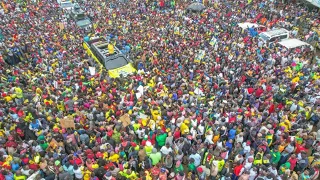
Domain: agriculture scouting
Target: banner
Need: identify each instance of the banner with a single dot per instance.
(176, 30)
(61, 26)
(125, 119)
(200, 56)
(67, 122)
(213, 41)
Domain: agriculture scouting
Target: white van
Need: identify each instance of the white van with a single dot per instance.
(294, 43)
(272, 35)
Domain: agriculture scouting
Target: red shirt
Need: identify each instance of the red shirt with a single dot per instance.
(250, 90)
(237, 170)
(232, 119)
(107, 166)
(176, 134)
(271, 109)
(293, 163)
(300, 148)
(34, 167)
(11, 144)
(76, 160)
(259, 91)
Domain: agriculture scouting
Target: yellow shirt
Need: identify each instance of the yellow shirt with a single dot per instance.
(86, 175)
(8, 98)
(19, 177)
(114, 158)
(19, 92)
(184, 129)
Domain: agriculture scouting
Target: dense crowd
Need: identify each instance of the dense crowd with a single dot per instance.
(247, 111)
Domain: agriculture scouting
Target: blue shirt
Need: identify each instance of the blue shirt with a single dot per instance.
(197, 159)
(232, 134)
(9, 177)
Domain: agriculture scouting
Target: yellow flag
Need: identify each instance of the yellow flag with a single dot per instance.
(249, 1)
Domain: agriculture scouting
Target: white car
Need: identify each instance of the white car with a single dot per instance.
(65, 4)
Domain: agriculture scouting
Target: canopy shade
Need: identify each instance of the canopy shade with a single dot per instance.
(197, 7)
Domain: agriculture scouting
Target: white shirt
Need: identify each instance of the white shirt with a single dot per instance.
(246, 149)
(200, 130)
(252, 174)
(140, 133)
(164, 150)
(78, 173)
(209, 139)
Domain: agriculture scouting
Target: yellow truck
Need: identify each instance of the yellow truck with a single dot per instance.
(109, 57)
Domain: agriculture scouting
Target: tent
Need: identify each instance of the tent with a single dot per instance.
(196, 7)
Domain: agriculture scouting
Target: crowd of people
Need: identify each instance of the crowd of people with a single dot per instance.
(247, 111)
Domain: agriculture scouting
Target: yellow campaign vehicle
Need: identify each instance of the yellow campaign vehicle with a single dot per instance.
(109, 57)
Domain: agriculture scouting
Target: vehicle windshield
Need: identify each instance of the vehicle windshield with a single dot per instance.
(83, 23)
(80, 16)
(116, 63)
(66, 5)
(264, 37)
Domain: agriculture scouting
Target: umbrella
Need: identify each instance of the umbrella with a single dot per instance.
(196, 7)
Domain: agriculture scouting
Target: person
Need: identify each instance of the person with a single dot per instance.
(155, 157)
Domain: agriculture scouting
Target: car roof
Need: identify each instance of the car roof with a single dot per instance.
(276, 32)
(249, 25)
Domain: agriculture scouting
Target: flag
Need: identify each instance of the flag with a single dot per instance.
(176, 30)
(213, 41)
(249, 1)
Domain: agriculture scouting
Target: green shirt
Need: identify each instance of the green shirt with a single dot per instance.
(161, 139)
(44, 146)
(275, 157)
(155, 158)
(191, 167)
(178, 169)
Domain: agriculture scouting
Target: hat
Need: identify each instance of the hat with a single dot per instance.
(181, 173)
(148, 143)
(154, 150)
(108, 174)
(199, 169)
(57, 162)
(163, 170)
